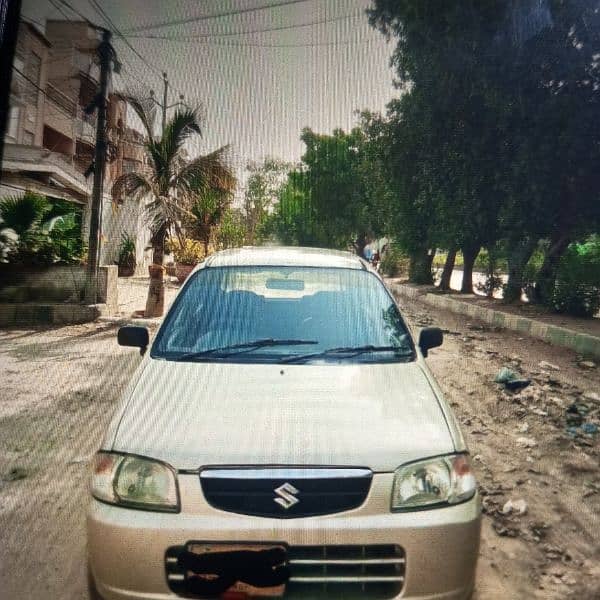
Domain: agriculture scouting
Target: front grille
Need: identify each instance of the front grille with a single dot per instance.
(285, 493)
(345, 571)
(348, 572)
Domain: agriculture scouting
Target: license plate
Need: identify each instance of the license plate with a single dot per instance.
(240, 587)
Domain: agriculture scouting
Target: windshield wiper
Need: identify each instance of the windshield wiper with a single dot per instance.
(234, 349)
(349, 350)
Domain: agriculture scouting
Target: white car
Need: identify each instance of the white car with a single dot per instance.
(283, 437)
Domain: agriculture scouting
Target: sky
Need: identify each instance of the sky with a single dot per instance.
(320, 62)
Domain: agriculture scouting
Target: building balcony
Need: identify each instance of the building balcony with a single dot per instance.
(45, 172)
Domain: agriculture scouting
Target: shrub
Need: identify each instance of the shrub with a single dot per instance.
(577, 287)
(36, 231)
(231, 232)
(186, 251)
(127, 250)
(394, 262)
(491, 263)
(482, 261)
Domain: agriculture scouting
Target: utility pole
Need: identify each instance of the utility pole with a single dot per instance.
(106, 54)
(164, 104)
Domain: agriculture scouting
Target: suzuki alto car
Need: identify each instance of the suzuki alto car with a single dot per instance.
(283, 437)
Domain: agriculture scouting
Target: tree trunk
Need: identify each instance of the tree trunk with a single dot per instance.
(419, 270)
(544, 281)
(518, 256)
(469, 255)
(360, 244)
(448, 268)
(155, 303)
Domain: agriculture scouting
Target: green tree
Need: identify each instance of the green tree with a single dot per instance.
(333, 183)
(444, 128)
(565, 62)
(506, 144)
(263, 186)
(339, 195)
(231, 231)
(172, 184)
(295, 221)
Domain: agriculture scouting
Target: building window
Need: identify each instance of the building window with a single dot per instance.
(12, 129)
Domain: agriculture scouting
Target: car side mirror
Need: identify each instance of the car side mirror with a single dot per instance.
(430, 337)
(136, 337)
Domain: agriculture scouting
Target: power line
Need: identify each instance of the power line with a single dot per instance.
(73, 9)
(112, 25)
(213, 16)
(227, 44)
(95, 5)
(32, 21)
(59, 9)
(236, 33)
(107, 19)
(37, 87)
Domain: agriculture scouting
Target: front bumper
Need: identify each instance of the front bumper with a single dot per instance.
(127, 547)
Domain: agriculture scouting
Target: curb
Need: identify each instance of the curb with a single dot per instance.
(582, 343)
(124, 320)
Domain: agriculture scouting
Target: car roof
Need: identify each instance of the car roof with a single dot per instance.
(285, 256)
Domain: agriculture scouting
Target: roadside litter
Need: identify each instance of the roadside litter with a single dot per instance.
(548, 366)
(516, 507)
(575, 418)
(574, 415)
(511, 380)
(587, 364)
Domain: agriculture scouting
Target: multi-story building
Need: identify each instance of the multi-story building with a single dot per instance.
(51, 136)
(73, 76)
(29, 162)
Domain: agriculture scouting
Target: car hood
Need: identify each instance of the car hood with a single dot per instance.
(196, 414)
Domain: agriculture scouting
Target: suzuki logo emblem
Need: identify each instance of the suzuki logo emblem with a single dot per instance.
(286, 497)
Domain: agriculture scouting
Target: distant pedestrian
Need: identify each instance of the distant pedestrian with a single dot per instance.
(375, 260)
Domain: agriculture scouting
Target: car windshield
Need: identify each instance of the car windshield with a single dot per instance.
(284, 314)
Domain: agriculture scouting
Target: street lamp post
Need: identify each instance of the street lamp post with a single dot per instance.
(163, 105)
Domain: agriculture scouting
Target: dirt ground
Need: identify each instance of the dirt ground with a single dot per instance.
(60, 385)
(522, 451)
(134, 290)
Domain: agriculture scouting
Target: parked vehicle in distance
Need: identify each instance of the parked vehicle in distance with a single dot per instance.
(283, 436)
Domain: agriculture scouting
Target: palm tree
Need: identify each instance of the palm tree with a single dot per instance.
(171, 184)
(34, 230)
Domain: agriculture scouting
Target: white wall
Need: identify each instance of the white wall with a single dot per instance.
(128, 217)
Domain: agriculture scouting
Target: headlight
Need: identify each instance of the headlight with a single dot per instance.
(135, 482)
(433, 482)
